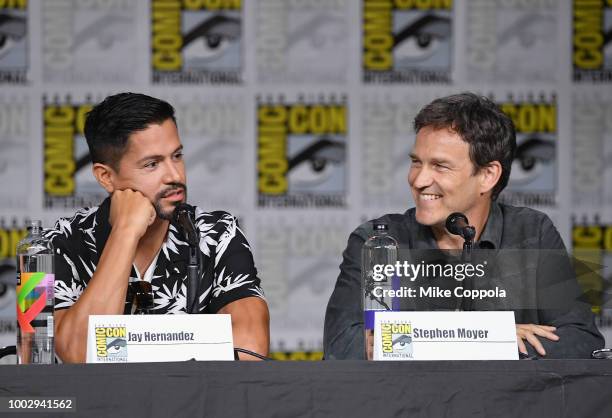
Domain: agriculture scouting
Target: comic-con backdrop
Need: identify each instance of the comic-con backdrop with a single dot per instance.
(296, 116)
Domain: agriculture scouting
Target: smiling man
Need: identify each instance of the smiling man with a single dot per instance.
(128, 255)
(460, 162)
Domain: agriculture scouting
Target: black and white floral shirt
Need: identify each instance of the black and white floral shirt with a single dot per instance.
(80, 240)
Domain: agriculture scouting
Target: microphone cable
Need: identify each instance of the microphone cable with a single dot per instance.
(250, 353)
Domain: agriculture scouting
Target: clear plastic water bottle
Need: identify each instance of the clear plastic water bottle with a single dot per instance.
(35, 281)
(378, 251)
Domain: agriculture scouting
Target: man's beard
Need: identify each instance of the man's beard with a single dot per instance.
(167, 215)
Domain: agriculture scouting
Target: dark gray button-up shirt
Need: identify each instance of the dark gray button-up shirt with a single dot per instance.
(507, 228)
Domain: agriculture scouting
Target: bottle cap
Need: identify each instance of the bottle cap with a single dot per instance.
(380, 226)
(35, 226)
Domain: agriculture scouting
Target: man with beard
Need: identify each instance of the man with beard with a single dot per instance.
(130, 251)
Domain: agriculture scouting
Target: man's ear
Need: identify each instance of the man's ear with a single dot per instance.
(105, 176)
(490, 176)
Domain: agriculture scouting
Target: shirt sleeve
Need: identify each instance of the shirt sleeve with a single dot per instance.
(343, 332)
(235, 272)
(68, 285)
(566, 308)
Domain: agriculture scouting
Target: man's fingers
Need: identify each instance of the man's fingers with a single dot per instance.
(531, 332)
(545, 333)
(535, 343)
(521, 345)
(541, 330)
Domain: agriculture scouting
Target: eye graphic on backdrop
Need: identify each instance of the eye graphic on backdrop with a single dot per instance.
(214, 156)
(211, 38)
(12, 30)
(314, 277)
(528, 31)
(402, 343)
(421, 39)
(315, 164)
(532, 156)
(106, 31)
(318, 32)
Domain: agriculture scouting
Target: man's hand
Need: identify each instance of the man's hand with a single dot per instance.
(529, 331)
(131, 210)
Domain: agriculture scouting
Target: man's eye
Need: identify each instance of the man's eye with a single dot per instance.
(151, 164)
(178, 156)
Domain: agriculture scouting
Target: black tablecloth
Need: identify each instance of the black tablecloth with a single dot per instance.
(537, 388)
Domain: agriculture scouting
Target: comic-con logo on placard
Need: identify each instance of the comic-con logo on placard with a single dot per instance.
(592, 40)
(407, 41)
(533, 178)
(13, 41)
(301, 152)
(68, 182)
(396, 340)
(196, 41)
(111, 344)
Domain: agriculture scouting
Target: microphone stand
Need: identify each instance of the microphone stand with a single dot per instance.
(468, 234)
(193, 278)
(194, 265)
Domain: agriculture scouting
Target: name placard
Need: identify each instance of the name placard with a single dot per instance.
(445, 335)
(155, 338)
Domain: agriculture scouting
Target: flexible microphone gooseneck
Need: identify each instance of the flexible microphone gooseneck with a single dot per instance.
(457, 224)
(183, 216)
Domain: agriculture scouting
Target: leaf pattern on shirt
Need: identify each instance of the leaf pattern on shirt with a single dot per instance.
(172, 300)
(219, 234)
(66, 295)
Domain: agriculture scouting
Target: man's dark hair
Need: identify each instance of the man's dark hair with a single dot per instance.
(111, 122)
(479, 122)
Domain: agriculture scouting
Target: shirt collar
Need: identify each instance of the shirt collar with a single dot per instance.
(102, 225)
(492, 233)
(424, 239)
(489, 239)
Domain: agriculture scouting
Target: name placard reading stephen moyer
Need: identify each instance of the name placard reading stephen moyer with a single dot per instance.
(445, 336)
(153, 338)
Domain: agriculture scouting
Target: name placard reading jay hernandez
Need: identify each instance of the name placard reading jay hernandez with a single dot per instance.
(445, 336)
(153, 338)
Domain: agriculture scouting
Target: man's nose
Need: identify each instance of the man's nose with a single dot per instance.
(173, 173)
(420, 178)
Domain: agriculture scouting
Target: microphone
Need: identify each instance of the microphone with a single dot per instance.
(183, 216)
(457, 224)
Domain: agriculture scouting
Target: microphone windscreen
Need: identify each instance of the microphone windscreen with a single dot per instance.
(455, 222)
